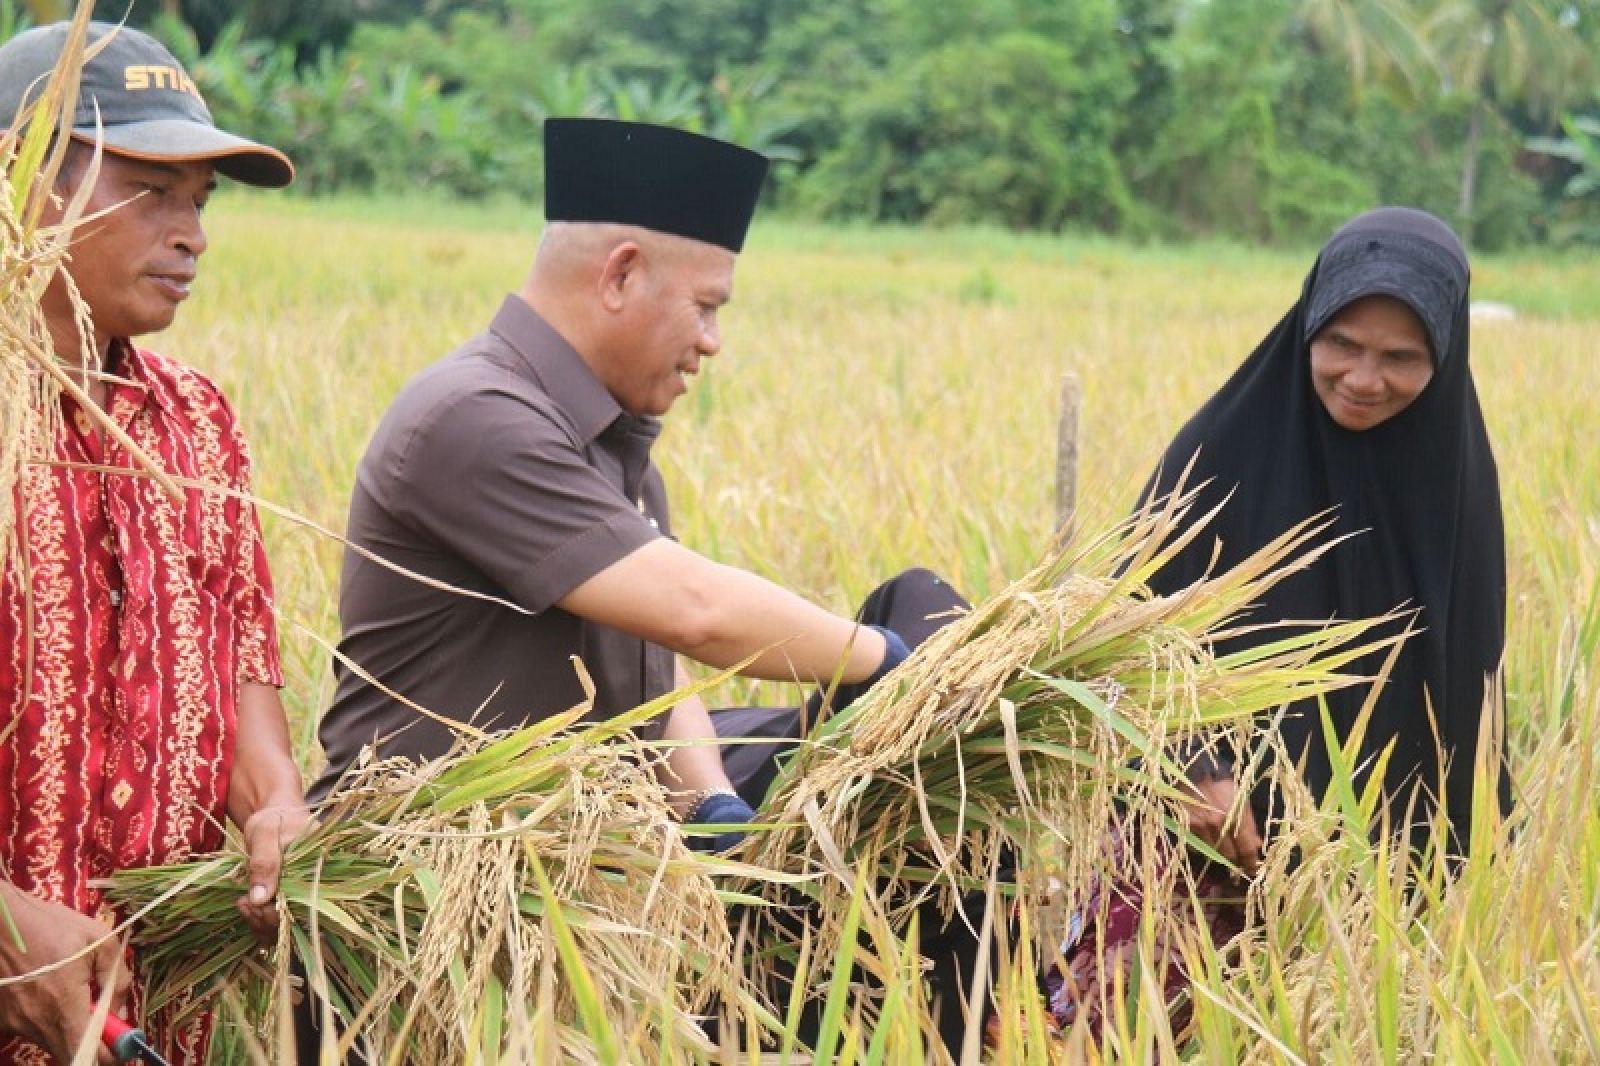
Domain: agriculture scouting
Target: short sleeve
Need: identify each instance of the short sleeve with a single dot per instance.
(258, 628)
(254, 615)
(499, 481)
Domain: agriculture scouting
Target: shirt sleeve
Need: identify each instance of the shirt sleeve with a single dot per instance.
(255, 618)
(500, 483)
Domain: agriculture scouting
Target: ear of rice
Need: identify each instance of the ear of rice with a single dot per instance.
(31, 151)
(1024, 725)
(538, 867)
(32, 255)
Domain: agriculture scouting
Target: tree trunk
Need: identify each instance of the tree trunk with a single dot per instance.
(1469, 173)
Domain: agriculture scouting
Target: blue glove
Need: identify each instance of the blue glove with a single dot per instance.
(895, 652)
(719, 809)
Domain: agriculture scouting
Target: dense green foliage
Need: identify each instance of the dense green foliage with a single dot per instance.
(1262, 119)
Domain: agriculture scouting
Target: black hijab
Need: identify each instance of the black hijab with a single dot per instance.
(1420, 492)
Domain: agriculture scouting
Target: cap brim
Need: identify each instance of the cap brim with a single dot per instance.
(178, 141)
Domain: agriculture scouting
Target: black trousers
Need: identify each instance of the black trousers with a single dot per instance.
(308, 1034)
(915, 604)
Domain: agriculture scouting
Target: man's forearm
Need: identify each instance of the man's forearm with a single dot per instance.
(720, 615)
(264, 771)
(796, 640)
(692, 767)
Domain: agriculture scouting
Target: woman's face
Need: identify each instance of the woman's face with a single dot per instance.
(1370, 362)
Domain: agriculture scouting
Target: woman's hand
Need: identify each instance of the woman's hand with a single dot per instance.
(1219, 818)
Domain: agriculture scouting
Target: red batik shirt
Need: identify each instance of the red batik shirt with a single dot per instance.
(118, 738)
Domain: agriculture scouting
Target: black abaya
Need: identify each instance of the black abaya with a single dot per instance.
(1419, 491)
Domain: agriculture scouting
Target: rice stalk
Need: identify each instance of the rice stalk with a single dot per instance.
(33, 146)
(37, 226)
(541, 867)
(1363, 951)
(32, 149)
(1024, 726)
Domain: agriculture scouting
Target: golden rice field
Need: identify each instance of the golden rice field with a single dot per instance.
(887, 399)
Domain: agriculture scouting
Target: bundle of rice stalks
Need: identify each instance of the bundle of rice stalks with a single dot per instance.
(1021, 728)
(540, 871)
(1366, 950)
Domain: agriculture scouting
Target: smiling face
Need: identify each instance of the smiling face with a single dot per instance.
(1370, 362)
(134, 265)
(667, 299)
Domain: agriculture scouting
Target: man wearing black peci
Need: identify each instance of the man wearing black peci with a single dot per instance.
(519, 468)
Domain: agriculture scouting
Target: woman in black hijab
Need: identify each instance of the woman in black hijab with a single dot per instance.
(1361, 400)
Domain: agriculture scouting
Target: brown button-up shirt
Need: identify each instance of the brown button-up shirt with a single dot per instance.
(509, 470)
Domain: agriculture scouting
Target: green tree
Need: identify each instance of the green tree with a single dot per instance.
(1497, 55)
(1581, 148)
(305, 25)
(1578, 217)
(695, 38)
(1020, 131)
(1256, 140)
(1498, 58)
(827, 60)
(1017, 129)
(1382, 40)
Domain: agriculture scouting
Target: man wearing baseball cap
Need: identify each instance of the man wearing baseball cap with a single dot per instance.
(139, 666)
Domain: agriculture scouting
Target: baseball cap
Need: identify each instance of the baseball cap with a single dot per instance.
(147, 105)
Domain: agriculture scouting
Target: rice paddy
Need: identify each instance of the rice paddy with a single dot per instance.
(888, 399)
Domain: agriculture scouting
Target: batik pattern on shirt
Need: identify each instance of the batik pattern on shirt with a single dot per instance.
(128, 622)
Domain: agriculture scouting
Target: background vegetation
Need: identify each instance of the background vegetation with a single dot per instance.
(887, 394)
(1261, 119)
(887, 398)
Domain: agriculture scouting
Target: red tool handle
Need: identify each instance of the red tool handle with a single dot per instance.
(125, 1041)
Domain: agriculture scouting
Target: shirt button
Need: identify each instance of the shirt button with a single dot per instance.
(82, 421)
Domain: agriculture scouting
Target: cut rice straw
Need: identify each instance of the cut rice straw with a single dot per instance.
(33, 252)
(542, 866)
(1025, 726)
(31, 152)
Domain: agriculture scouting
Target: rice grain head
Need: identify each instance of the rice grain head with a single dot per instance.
(1024, 727)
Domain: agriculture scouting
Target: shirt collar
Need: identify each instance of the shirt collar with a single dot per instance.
(131, 367)
(558, 367)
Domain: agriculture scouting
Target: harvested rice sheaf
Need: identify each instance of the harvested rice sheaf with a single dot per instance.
(33, 149)
(533, 883)
(30, 255)
(1027, 727)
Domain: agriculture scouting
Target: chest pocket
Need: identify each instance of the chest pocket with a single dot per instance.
(207, 537)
